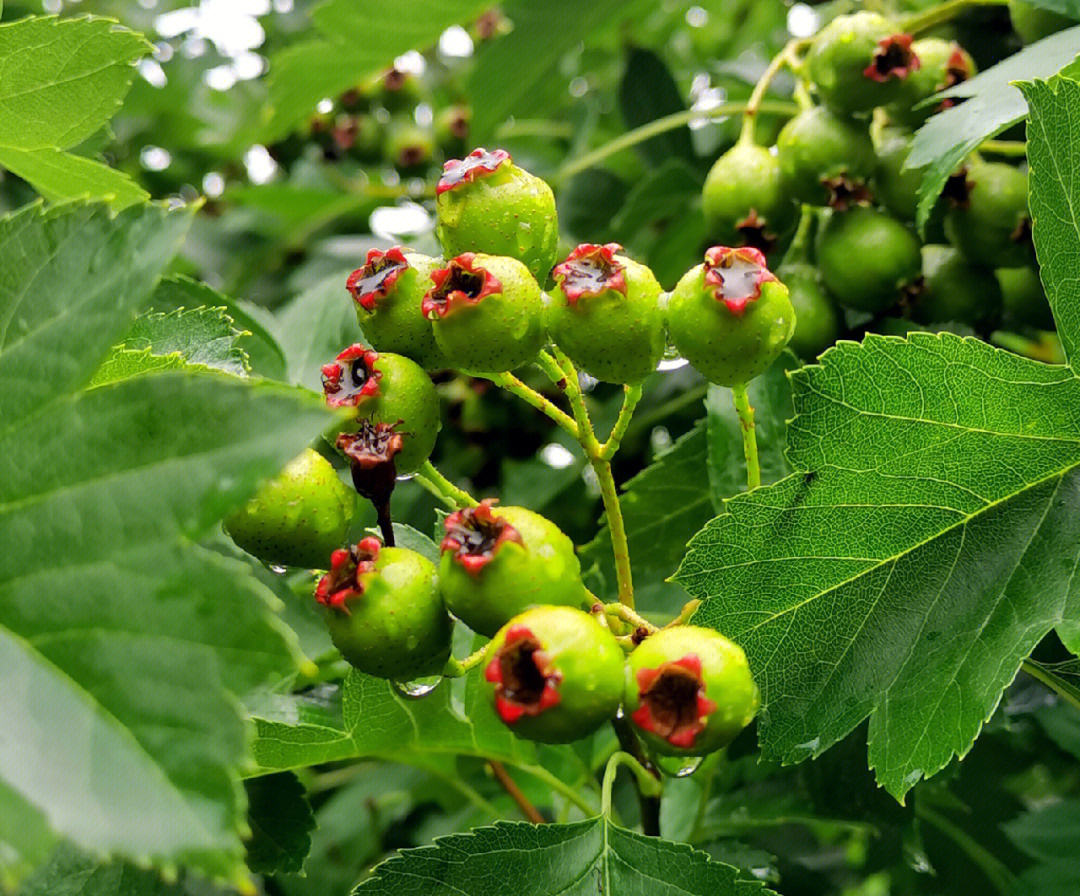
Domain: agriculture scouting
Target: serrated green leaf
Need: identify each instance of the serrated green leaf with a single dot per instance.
(281, 824)
(926, 545)
(61, 80)
(1053, 133)
(991, 105)
(122, 640)
(60, 176)
(770, 396)
(661, 193)
(663, 506)
(123, 364)
(205, 337)
(588, 857)
(1049, 833)
(360, 38)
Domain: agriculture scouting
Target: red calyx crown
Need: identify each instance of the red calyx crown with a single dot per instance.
(351, 377)
(343, 581)
(478, 163)
(377, 277)
(474, 535)
(525, 677)
(957, 71)
(459, 284)
(371, 445)
(590, 270)
(893, 58)
(673, 702)
(735, 276)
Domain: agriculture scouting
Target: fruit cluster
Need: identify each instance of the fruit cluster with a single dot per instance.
(838, 168)
(557, 660)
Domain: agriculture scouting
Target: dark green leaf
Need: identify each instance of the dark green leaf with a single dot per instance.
(660, 194)
(281, 824)
(647, 92)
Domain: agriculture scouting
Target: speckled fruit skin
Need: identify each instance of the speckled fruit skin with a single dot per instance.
(838, 57)
(405, 393)
(1024, 297)
(542, 570)
(816, 145)
(817, 320)
(866, 258)
(398, 627)
(956, 290)
(615, 338)
(591, 664)
(746, 183)
(297, 518)
(727, 678)
(500, 332)
(726, 348)
(1033, 23)
(986, 231)
(395, 324)
(942, 64)
(506, 212)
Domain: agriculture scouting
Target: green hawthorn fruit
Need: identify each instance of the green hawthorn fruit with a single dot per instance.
(730, 317)
(897, 187)
(557, 674)
(408, 146)
(486, 203)
(689, 691)
(498, 561)
(384, 611)
(487, 313)
(859, 61)
(817, 320)
(992, 226)
(867, 258)
(452, 126)
(1024, 298)
(954, 289)
(298, 517)
(943, 64)
(745, 199)
(1033, 22)
(605, 314)
(389, 291)
(385, 388)
(826, 159)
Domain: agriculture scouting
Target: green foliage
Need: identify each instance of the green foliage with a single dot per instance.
(594, 856)
(281, 824)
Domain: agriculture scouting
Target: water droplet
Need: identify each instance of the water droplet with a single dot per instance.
(678, 766)
(277, 569)
(673, 364)
(406, 477)
(418, 687)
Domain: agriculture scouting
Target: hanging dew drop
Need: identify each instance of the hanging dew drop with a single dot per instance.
(671, 360)
(417, 688)
(678, 766)
(277, 569)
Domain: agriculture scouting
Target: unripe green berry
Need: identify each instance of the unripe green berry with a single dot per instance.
(689, 691)
(385, 388)
(1033, 22)
(486, 203)
(859, 61)
(745, 200)
(487, 313)
(384, 611)
(954, 289)
(826, 159)
(605, 314)
(389, 291)
(498, 561)
(992, 225)
(943, 64)
(298, 517)
(867, 258)
(408, 147)
(1025, 299)
(557, 674)
(730, 317)
(817, 320)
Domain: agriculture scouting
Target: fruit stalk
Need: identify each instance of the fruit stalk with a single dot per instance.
(631, 397)
(943, 12)
(513, 385)
(787, 56)
(649, 785)
(749, 434)
(503, 777)
(434, 481)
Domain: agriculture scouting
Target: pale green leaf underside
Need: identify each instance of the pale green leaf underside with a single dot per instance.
(905, 578)
(991, 104)
(588, 858)
(203, 336)
(60, 176)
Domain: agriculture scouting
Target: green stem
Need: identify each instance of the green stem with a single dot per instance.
(996, 872)
(1036, 671)
(799, 250)
(1004, 147)
(571, 793)
(512, 384)
(434, 481)
(619, 546)
(749, 435)
(943, 12)
(631, 397)
(629, 616)
(456, 668)
(662, 126)
(787, 56)
(649, 786)
(570, 384)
